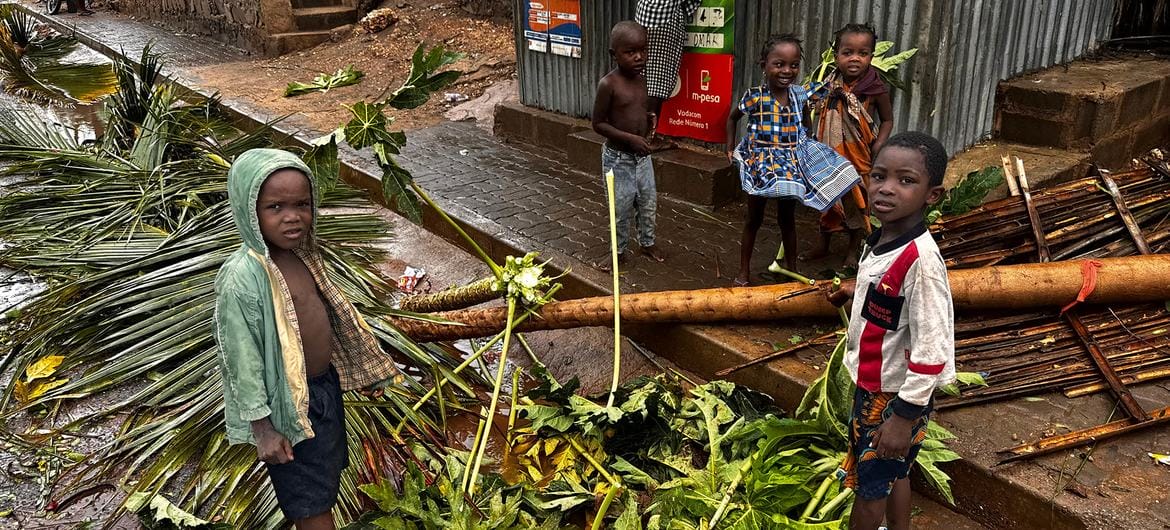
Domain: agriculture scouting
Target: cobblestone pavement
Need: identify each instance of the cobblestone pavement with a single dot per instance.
(534, 197)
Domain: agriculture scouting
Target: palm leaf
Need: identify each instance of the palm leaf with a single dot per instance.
(129, 234)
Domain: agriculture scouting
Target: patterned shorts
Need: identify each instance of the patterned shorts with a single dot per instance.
(869, 476)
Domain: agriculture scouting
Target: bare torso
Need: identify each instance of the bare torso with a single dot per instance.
(628, 107)
(312, 315)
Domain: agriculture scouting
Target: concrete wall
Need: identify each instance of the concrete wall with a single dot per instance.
(245, 24)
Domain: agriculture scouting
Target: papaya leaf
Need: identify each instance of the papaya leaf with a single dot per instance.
(44, 367)
(368, 125)
(322, 161)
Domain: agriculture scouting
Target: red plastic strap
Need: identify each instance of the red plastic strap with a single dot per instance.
(1088, 282)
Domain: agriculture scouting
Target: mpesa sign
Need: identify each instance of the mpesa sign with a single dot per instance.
(702, 99)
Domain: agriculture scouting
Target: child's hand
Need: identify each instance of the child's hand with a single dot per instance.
(271, 446)
(731, 155)
(639, 145)
(892, 438)
(842, 295)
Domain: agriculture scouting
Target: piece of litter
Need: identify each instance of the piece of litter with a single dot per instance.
(410, 278)
(1160, 458)
(463, 152)
(454, 97)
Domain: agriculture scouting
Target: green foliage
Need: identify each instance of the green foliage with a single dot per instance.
(429, 500)
(368, 126)
(968, 193)
(323, 82)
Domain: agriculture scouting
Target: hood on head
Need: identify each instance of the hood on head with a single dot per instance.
(245, 177)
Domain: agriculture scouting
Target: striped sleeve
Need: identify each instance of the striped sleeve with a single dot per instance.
(932, 335)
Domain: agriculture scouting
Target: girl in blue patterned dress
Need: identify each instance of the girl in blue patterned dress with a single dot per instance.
(776, 159)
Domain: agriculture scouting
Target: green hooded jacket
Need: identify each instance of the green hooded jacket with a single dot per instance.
(261, 359)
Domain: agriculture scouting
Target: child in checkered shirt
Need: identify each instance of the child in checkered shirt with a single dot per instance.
(777, 159)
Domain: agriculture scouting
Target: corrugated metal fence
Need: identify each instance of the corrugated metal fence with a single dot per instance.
(965, 47)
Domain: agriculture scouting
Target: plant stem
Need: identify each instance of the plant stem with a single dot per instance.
(840, 310)
(496, 270)
(512, 410)
(743, 469)
(481, 442)
(613, 490)
(816, 499)
(593, 462)
(474, 357)
(832, 505)
(479, 430)
(617, 313)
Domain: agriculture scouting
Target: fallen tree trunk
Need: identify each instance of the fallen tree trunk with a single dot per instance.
(1033, 285)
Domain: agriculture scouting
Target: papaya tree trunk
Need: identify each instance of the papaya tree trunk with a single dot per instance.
(474, 293)
(1119, 280)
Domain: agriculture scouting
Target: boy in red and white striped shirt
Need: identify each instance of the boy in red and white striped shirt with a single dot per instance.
(901, 333)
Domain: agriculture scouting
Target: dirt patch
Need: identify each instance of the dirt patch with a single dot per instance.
(384, 57)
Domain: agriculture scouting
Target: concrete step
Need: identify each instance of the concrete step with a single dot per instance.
(1112, 108)
(282, 43)
(324, 18)
(1044, 165)
(686, 174)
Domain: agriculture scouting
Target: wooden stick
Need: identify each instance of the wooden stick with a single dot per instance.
(1139, 377)
(1084, 437)
(1033, 215)
(776, 354)
(1119, 390)
(1007, 175)
(1122, 210)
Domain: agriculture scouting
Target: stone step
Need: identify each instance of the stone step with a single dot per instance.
(700, 178)
(282, 43)
(324, 18)
(1044, 165)
(1112, 108)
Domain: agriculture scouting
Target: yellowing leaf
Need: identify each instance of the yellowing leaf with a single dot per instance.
(38, 388)
(1047, 340)
(43, 368)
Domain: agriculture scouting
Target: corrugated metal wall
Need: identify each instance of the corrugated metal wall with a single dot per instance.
(965, 48)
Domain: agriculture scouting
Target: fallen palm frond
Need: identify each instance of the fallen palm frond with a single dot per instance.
(129, 233)
(323, 82)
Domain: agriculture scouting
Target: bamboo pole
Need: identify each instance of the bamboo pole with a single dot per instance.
(1083, 437)
(1035, 285)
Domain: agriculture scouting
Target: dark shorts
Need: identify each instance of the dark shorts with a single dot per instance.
(308, 485)
(871, 477)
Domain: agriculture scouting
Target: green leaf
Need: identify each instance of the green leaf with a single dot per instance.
(368, 125)
(882, 47)
(409, 98)
(322, 161)
(630, 519)
(323, 82)
(971, 190)
(970, 378)
(546, 417)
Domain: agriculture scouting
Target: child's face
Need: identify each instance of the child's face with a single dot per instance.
(285, 209)
(854, 54)
(899, 185)
(782, 65)
(629, 52)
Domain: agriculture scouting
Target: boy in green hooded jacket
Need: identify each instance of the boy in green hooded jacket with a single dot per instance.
(289, 342)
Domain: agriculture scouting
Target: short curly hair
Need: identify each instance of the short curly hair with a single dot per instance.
(934, 155)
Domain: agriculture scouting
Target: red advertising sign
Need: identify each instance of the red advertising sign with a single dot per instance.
(700, 107)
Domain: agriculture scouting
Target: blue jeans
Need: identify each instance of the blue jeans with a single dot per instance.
(633, 189)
